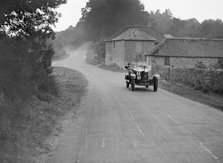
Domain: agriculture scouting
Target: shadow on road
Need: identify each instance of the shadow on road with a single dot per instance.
(141, 89)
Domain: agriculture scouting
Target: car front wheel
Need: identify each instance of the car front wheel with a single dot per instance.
(133, 85)
(155, 86)
(127, 84)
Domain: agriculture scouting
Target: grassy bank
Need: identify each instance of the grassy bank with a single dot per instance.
(211, 99)
(25, 127)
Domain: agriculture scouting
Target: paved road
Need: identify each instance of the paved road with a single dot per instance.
(117, 125)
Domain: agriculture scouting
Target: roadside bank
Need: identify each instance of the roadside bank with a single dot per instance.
(27, 138)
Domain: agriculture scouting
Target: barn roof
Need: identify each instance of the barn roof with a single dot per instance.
(134, 34)
(152, 32)
(188, 47)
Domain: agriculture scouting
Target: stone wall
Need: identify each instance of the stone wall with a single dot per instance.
(122, 52)
(115, 53)
(118, 53)
(179, 62)
(108, 53)
(183, 62)
(201, 79)
(134, 50)
(157, 60)
(130, 51)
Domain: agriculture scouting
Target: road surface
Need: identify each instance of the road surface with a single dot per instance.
(116, 125)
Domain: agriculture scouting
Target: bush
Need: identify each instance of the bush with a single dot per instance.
(200, 79)
(200, 65)
(25, 68)
(218, 65)
(49, 85)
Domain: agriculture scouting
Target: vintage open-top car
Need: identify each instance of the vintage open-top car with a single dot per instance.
(140, 74)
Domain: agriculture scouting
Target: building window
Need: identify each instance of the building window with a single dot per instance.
(167, 61)
(220, 63)
(114, 44)
(220, 60)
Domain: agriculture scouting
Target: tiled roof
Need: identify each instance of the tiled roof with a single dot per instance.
(188, 47)
(134, 34)
(152, 32)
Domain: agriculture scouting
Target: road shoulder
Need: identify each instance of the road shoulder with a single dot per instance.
(211, 99)
(73, 87)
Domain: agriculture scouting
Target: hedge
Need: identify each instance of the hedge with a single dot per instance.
(201, 79)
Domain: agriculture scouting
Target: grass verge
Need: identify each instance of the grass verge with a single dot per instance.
(25, 128)
(211, 99)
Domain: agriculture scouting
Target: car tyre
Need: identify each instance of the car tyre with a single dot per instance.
(127, 84)
(155, 84)
(133, 85)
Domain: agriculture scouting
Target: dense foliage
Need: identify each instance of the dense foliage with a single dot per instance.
(25, 71)
(104, 18)
(166, 23)
(74, 36)
(25, 27)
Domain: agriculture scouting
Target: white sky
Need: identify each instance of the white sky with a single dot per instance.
(183, 9)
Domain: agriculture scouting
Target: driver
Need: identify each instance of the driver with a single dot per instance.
(128, 66)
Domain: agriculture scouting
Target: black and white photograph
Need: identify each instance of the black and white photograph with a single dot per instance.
(111, 81)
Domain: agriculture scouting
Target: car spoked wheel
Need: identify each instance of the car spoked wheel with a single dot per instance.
(155, 85)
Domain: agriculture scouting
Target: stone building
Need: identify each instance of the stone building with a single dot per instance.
(186, 52)
(130, 45)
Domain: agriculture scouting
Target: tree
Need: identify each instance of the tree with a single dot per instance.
(25, 17)
(190, 28)
(104, 18)
(74, 36)
(161, 21)
(175, 26)
(211, 28)
(25, 27)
